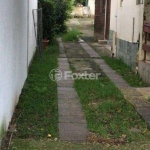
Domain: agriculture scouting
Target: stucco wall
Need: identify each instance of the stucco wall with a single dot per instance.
(91, 4)
(16, 51)
(77, 11)
(122, 19)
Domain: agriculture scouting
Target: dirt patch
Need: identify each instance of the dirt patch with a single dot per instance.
(74, 50)
(94, 138)
(84, 64)
(145, 92)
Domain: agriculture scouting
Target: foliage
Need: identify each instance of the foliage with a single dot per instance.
(55, 14)
(48, 20)
(79, 2)
(71, 36)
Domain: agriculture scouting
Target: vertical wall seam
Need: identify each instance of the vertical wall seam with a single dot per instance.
(27, 34)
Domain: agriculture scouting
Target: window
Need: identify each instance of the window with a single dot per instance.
(139, 2)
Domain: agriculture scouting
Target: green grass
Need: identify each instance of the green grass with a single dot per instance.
(51, 145)
(132, 78)
(37, 108)
(71, 36)
(107, 112)
(149, 99)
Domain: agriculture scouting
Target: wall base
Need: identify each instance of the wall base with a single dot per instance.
(127, 51)
(144, 71)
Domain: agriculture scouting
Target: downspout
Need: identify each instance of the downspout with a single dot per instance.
(105, 19)
(27, 34)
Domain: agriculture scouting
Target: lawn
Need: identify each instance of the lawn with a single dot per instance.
(108, 113)
(36, 113)
(71, 35)
(132, 78)
(58, 145)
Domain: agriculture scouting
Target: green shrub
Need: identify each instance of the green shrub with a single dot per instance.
(48, 20)
(55, 14)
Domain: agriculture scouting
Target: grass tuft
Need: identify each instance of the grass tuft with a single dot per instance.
(71, 36)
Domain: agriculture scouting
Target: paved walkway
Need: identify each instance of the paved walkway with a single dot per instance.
(131, 94)
(72, 123)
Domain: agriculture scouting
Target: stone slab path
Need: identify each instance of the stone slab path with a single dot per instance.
(89, 50)
(145, 92)
(72, 122)
(131, 94)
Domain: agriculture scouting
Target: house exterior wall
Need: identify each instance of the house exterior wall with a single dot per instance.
(125, 29)
(91, 4)
(17, 46)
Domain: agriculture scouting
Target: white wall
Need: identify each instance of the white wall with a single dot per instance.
(13, 52)
(122, 19)
(91, 4)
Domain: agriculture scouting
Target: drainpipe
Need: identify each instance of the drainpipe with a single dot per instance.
(105, 19)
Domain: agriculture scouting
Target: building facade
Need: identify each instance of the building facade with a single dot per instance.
(126, 25)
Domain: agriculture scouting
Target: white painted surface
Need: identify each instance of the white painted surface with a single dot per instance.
(77, 11)
(91, 4)
(122, 19)
(13, 52)
(31, 35)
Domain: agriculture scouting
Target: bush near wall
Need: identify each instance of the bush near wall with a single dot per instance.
(55, 14)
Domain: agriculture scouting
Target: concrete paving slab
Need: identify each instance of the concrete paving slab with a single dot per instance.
(72, 123)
